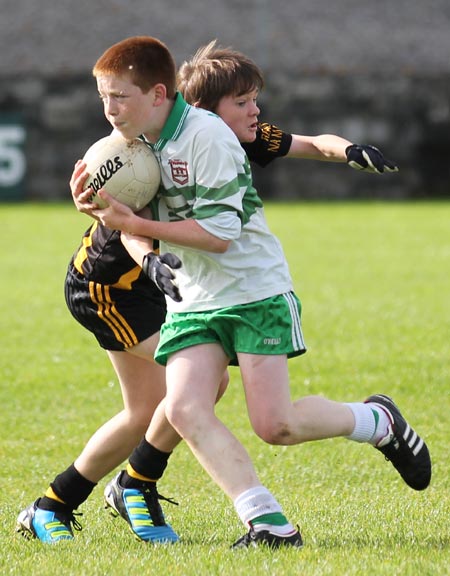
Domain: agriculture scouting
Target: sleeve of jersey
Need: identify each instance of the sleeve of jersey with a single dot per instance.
(270, 143)
(220, 182)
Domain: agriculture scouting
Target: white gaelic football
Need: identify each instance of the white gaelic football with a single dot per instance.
(127, 170)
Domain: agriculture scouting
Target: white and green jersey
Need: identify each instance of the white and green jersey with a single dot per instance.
(206, 176)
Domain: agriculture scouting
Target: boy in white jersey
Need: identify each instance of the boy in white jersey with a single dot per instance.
(238, 308)
(50, 518)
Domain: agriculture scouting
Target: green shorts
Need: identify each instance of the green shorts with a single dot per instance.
(271, 326)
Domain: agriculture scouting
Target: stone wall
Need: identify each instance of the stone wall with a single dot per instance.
(407, 117)
(374, 72)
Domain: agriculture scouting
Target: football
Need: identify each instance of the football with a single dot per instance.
(128, 170)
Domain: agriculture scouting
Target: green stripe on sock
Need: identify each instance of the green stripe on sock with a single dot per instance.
(376, 416)
(275, 518)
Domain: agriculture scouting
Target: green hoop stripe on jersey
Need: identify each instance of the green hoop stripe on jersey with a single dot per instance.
(210, 210)
(109, 314)
(251, 201)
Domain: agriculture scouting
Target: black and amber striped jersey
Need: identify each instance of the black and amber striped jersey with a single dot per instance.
(102, 258)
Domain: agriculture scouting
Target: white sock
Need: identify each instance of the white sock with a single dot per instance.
(259, 509)
(255, 502)
(383, 433)
(372, 423)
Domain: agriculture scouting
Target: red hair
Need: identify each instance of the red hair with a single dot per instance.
(145, 60)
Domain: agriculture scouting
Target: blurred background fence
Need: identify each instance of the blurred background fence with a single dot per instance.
(374, 72)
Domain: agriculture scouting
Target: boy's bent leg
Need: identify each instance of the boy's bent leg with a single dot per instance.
(278, 420)
(378, 421)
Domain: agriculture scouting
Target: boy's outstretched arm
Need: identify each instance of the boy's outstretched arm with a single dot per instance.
(331, 148)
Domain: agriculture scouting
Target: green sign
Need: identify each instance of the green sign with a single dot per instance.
(13, 163)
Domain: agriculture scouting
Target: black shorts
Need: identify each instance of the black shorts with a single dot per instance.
(118, 318)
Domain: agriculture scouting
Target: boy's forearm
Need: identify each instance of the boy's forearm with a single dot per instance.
(137, 246)
(332, 147)
(326, 147)
(184, 233)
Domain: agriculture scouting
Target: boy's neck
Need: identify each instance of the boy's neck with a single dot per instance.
(163, 114)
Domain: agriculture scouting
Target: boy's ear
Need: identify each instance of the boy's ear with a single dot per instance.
(196, 104)
(160, 94)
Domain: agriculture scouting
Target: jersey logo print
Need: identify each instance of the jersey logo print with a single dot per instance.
(272, 135)
(180, 173)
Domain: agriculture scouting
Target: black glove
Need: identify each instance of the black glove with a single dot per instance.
(368, 158)
(160, 270)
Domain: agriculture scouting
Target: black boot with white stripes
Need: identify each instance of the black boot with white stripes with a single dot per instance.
(403, 447)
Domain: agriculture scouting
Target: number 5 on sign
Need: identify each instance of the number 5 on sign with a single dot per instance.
(12, 157)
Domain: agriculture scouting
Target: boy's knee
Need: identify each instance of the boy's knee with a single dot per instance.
(179, 416)
(275, 433)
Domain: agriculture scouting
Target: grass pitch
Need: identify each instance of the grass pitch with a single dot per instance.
(374, 283)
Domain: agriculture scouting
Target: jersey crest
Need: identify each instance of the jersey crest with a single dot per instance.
(179, 170)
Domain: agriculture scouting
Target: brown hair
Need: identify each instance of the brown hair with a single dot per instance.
(145, 60)
(214, 72)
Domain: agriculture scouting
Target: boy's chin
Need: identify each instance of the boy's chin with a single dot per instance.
(248, 138)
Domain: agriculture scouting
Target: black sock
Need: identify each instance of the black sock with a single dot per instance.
(71, 487)
(148, 461)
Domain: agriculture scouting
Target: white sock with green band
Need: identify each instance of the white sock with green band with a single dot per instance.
(257, 507)
(371, 423)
